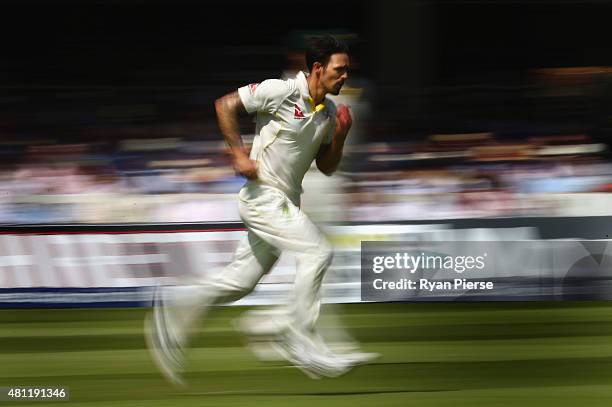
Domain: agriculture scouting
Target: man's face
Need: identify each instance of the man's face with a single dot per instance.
(335, 73)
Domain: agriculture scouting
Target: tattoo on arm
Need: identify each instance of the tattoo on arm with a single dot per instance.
(228, 109)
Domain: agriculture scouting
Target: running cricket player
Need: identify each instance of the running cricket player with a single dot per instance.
(295, 125)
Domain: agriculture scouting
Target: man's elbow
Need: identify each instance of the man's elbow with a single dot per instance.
(229, 104)
(219, 104)
(328, 171)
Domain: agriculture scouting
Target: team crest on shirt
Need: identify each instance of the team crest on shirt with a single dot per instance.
(252, 87)
(297, 112)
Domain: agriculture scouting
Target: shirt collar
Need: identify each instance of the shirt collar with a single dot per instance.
(303, 87)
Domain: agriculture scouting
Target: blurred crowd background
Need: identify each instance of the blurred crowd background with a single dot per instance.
(462, 109)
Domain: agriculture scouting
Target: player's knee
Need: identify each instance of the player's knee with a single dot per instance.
(233, 292)
(326, 254)
(227, 289)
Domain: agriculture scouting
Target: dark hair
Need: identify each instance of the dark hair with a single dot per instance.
(320, 49)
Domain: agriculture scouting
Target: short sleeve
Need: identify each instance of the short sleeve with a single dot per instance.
(263, 97)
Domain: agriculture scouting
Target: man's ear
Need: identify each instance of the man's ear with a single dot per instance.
(316, 67)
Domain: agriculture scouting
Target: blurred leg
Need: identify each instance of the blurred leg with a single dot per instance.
(275, 219)
(252, 260)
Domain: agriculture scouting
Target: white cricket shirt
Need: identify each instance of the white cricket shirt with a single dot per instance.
(289, 130)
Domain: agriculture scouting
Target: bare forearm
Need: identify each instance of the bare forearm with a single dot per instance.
(329, 159)
(228, 108)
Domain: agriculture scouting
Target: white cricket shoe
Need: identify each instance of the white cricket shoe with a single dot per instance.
(302, 353)
(264, 331)
(347, 351)
(359, 358)
(165, 350)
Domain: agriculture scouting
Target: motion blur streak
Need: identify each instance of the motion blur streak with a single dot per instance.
(459, 354)
(476, 120)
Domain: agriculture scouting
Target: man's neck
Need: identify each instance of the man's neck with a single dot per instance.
(317, 93)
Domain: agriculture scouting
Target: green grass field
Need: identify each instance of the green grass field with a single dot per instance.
(434, 354)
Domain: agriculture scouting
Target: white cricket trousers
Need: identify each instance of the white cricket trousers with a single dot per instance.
(275, 224)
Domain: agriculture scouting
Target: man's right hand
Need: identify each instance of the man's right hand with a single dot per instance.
(245, 166)
(344, 121)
